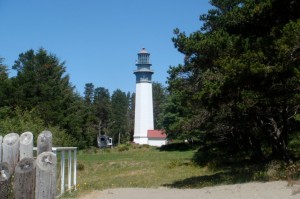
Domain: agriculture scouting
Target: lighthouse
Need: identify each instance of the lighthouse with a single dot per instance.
(143, 120)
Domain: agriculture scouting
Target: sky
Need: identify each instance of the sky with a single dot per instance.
(99, 39)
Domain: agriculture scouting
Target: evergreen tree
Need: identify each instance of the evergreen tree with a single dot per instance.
(119, 105)
(159, 97)
(102, 107)
(239, 86)
(130, 115)
(4, 85)
(89, 93)
(41, 83)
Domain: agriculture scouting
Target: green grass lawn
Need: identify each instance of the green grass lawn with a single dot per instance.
(144, 166)
(141, 166)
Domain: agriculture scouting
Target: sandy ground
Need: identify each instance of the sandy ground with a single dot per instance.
(269, 190)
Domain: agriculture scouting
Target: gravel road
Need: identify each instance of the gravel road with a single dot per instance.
(255, 190)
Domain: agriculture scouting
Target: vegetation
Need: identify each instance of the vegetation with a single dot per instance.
(236, 97)
(237, 93)
(149, 167)
(41, 97)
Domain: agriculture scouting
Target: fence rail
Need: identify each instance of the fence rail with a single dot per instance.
(70, 168)
(36, 176)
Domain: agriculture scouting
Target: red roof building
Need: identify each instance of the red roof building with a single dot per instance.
(157, 134)
(156, 138)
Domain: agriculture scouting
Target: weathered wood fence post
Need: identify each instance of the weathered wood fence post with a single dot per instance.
(26, 145)
(46, 176)
(1, 138)
(44, 142)
(10, 148)
(4, 180)
(24, 180)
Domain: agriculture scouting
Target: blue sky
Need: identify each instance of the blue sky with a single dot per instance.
(99, 39)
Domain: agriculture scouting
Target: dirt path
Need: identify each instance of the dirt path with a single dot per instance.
(269, 190)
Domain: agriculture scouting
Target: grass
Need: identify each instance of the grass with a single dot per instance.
(140, 167)
(144, 167)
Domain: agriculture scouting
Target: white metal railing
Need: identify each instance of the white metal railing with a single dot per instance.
(62, 167)
(69, 150)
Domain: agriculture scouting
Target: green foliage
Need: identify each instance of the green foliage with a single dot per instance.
(21, 121)
(238, 89)
(102, 107)
(80, 166)
(119, 113)
(5, 85)
(123, 147)
(41, 97)
(41, 83)
(88, 93)
(159, 98)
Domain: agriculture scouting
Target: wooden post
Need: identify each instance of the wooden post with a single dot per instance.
(1, 138)
(46, 176)
(26, 145)
(44, 142)
(11, 150)
(4, 180)
(24, 180)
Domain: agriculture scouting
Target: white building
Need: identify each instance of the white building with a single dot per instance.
(143, 99)
(157, 138)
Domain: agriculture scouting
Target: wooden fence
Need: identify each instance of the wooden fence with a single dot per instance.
(24, 176)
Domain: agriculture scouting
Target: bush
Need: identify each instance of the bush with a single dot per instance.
(80, 166)
(123, 147)
(275, 170)
(20, 121)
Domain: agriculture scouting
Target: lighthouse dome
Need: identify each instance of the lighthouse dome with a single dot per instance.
(143, 51)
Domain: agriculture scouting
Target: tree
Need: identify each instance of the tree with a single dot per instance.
(159, 97)
(239, 86)
(41, 83)
(130, 115)
(119, 105)
(102, 107)
(89, 93)
(80, 122)
(4, 84)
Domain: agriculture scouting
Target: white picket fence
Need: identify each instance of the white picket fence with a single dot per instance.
(35, 177)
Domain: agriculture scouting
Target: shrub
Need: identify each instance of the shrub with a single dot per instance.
(274, 170)
(23, 120)
(123, 147)
(80, 166)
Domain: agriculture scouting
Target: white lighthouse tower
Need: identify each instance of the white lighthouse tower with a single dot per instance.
(143, 99)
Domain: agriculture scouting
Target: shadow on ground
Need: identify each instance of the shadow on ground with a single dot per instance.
(178, 147)
(222, 177)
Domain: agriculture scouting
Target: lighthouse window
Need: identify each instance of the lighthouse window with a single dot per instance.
(143, 59)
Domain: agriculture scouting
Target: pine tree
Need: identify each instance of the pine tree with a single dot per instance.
(239, 84)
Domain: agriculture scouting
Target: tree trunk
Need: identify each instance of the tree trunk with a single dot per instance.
(26, 145)
(24, 180)
(279, 150)
(44, 142)
(279, 145)
(46, 176)
(11, 150)
(4, 180)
